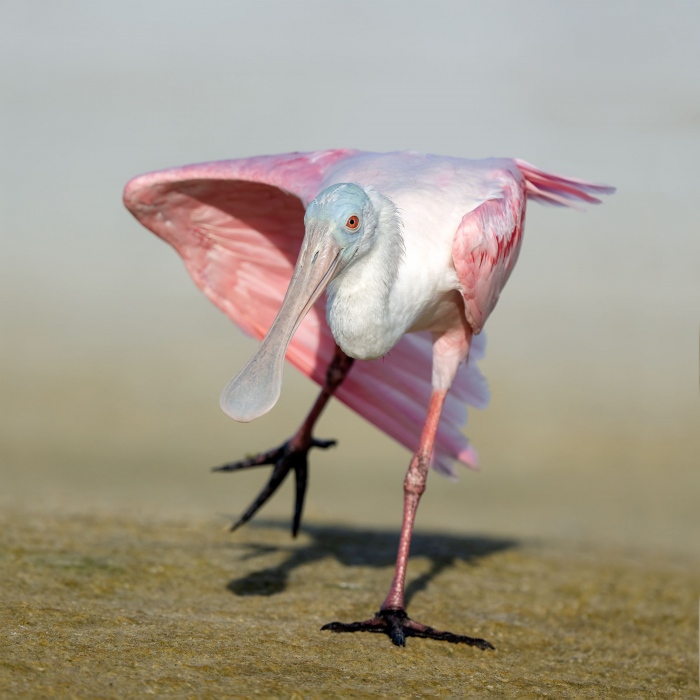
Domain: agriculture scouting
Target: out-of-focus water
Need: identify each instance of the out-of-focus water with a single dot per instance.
(111, 361)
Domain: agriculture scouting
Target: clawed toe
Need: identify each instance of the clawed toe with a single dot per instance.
(398, 625)
(285, 459)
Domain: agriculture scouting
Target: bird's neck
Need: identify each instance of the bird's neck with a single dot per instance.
(358, 309)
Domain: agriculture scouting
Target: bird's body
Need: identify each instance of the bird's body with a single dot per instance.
(430, 196)
(421, 297)
(413, 251)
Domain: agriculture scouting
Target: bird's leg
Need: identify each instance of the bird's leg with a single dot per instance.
(392, 618)
(293, 454)
(413, 488)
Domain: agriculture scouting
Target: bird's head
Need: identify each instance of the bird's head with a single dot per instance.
(339, 227)
(342, 221)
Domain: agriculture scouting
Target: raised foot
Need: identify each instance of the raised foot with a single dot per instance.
(285, 458)
(398, 625)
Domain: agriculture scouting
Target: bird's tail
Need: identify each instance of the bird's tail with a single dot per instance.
(549, 188)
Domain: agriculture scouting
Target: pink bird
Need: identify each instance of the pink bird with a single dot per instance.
(412, 252)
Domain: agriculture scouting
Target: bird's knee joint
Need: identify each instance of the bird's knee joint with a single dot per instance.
(414, 483)
(413, 488)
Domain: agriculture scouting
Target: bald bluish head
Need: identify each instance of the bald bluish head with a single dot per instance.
(343, 213)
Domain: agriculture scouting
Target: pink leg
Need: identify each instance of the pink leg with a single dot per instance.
(392, 618)
(413, 487)
(293, 454)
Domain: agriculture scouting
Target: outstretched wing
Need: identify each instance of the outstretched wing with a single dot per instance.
(238, 226)
(486, 245)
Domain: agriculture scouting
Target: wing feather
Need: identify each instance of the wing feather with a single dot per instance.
(550, 188)
(486, 246)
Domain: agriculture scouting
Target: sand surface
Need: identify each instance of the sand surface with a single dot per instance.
(110, 607)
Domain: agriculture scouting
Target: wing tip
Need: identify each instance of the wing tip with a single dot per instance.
(560, 190)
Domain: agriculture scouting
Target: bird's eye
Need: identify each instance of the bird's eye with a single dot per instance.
(353, 222)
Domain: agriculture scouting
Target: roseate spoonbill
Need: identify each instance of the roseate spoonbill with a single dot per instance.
(413, 251)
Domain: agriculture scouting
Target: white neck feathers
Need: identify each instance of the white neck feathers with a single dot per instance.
(358, 299)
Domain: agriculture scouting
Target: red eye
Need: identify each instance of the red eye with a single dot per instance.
(353, 222)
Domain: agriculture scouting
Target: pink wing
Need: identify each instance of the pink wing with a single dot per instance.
(238, 226)
(488, 239)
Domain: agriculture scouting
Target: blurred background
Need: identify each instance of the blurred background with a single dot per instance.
(111, 361)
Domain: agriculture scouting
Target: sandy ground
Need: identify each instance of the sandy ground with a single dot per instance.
(110, 607)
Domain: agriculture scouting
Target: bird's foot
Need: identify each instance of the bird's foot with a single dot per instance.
(398, 625)
(291, 456)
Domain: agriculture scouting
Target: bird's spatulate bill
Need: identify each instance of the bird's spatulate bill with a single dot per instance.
(256, 388)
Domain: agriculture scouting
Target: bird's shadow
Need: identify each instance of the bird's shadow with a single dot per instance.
(360, 547)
